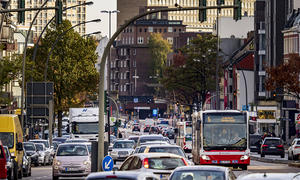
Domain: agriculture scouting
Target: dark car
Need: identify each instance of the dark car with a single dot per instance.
(26, 165)
(31, 151)
(147, 129)
(154, 130)
(272, 146)
(170, 134)
(11, 165)
(255, 142)
(135, 128)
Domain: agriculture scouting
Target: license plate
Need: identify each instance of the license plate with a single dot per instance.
(224, 162)
(272, 147)
(164, 176)
(252, 146)
(71, 169)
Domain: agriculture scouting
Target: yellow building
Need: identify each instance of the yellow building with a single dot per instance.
(75, 15)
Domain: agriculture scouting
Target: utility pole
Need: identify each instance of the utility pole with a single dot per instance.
(51, 114)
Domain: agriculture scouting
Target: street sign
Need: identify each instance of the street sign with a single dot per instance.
(113, 119)
(135, 100)
(154, 112)
(107, 163)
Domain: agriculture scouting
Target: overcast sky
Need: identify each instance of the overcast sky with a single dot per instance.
(93, 12)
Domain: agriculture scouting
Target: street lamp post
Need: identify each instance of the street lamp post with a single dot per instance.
(58, 38)
(97, 32)
(109, 36)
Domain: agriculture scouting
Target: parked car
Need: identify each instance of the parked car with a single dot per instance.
(122, 149)
(32, 152)
(294, 150)
(26, 165)
(44, 155)
(269, 176)
(255, 142)
(11, 164)
(160, 164)
(128, 175)
(272, 146)
(71, 159)
(3, 170)
(202, 172)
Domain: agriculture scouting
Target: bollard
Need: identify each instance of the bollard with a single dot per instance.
(94, 156)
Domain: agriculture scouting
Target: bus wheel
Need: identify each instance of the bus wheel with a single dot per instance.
(244, 167)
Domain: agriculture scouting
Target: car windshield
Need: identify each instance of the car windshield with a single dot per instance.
(143, 140)
(7, 139)
(39, 147)
(29, 147)
(43, 142)
(198, 174)
(165, 163)
(85, 127)
(173, 150)
(272, 142)
(72, 150)
(124, 144)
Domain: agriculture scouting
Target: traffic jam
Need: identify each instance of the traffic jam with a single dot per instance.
(213, 146)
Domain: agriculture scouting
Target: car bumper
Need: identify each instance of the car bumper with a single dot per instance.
(296, 151)
(63, 172)
(41, 159)
(273, 152)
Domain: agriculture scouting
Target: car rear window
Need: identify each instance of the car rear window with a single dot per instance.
(143, 140)
(165, 163)
(118, 145)
(183, 175)
(298, 142)
(173, 150)
(272, 142)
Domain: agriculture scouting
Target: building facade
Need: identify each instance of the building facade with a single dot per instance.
(74, 15)
(129, 8)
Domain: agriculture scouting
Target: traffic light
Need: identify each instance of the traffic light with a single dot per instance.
(220, 2)
(58, 12)
(106, 102)
(237, 11)
(202, 13)
(21, 14)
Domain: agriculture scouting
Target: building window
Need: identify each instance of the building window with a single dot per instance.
(170, 29)
(145, 30)
(150, 29)
(125, 52)
(134, 52)
(121, 64)
(132, 40)
(170, 40)
(121, 88)
(121, 51)
(124, 64)
(140, 30)
(121, 74)
(140, 40)
(124, 88)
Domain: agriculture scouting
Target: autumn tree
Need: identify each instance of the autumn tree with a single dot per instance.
(71, 67)
(285, 77)
(192, 74)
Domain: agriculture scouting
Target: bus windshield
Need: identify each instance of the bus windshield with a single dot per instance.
(224, 131)
(7, 139)
(85, 127)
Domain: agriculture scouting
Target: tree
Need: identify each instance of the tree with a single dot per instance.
(192, 74)
(286, 77)
(160, 48)
(71, 67)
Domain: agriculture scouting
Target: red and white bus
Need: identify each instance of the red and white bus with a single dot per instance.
(221, 137)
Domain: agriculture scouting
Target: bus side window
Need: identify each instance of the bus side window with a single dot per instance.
(198, 125)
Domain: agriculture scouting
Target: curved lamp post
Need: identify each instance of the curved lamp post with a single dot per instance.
(36, 45)
(97, 32)
(58, 38)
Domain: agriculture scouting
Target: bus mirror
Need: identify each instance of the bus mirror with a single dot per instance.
(176, 130)
(198, 125)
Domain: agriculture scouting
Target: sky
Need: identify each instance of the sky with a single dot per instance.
(93, 12)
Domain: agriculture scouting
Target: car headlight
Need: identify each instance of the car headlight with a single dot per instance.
(114, 153)
(86, 162)
(245, 157)
(57, 163)
(204, 157)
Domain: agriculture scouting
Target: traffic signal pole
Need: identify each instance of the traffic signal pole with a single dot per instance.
(103, 62)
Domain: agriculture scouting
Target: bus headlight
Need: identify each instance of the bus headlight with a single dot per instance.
(245, 157)
(204, 157)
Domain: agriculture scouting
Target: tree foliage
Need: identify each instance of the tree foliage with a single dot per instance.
(71, 66)
(192, 74)
(285, 76)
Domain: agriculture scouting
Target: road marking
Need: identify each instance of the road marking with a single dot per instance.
(107, 164)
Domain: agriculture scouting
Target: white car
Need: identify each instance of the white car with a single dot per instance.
(122, 149)
(294, 150)
(44, 155)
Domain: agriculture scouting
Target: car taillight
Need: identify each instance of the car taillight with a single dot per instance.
(264, 145)
(280, 146)
(111, 177)
(184, 161)
(184, 141)
(146, 163)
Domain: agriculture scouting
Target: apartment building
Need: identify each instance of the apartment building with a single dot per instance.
(129, 8)
(75, 15)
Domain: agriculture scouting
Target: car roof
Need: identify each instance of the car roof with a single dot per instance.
(193, 168)
(156, 155)
(265, 176)
(35, 140)
(67, 144)
(133, 137)
(124, 140)
(162, 145)
(120, 174)
(28, 143)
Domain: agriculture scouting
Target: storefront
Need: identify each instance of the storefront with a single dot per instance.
(266, 119)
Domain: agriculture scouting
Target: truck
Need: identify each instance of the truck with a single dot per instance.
(84, 123)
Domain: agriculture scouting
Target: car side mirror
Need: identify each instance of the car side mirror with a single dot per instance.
(19, 146)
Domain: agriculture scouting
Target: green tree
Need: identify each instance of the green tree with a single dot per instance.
(160, 48)
(71, 67)
(193, 72)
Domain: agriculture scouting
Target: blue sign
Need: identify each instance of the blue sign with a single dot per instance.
(245, 108)
(107, 163)
(135, 100)
(154, 112)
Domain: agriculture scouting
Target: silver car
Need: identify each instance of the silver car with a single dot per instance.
(44, 155)
(160, 164)
(122, 149)
(202, 172)
(270, 176)
(71, 160)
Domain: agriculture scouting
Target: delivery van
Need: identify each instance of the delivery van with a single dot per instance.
(11, 135)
